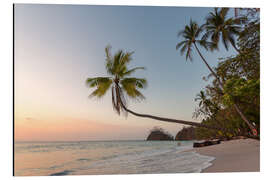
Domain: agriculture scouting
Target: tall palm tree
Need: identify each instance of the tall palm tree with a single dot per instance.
(123, 86)
(221, 28)
(191, 35)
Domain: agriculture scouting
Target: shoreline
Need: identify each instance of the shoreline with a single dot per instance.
(241, 155)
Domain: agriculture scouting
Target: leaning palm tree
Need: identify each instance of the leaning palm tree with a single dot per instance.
(123, 86)
(221, 28)
(191, 35)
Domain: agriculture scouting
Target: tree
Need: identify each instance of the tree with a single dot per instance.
(123, 86)
(207, 106)
(221, 28)
(191, 35)
(241, 77)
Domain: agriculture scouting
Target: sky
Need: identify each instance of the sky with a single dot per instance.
(58, 46)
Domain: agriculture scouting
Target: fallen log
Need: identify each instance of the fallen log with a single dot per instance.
(206, 143)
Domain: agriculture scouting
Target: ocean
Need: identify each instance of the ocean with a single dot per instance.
(106, 157)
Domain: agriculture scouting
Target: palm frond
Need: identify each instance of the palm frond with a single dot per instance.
(116, 61)
(189, 51)
(199, 30)
(223, 12)
(101, 83)
(126, 58)
(109, 63)
(206, 35)
(181, 44)
(108, 52)
(222, 28)
(180, 33)
(184, 48)
(130, 86)
(129, 72)
(204, 44)
(225, 39)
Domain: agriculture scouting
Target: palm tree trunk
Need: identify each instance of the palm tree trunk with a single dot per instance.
(161, 118)
(169, 120)
(205, 62)
(252, 128)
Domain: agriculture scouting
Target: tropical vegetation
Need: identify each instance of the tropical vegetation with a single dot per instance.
(240, 78)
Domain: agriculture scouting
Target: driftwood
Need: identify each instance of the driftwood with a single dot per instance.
(206, 143)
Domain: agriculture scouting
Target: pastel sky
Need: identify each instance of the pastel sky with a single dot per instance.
(58, 46)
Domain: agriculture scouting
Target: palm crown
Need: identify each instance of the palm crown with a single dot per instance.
(219, 26)
(119, 82)
(191, 35)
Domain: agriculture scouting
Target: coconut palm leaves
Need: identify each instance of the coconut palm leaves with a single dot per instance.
(191, 37)
(121, 85)
(102, 85)
(191, 34)
(221, 28)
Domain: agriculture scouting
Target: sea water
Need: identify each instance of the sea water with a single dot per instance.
(106, 157)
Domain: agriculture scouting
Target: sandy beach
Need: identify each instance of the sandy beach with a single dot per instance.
(241, 155)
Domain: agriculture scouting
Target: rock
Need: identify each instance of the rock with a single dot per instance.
(186, 134)
(158, 134)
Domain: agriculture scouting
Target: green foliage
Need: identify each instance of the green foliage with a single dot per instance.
(241, 90)
(101, 83)
(131, 85)
(120, 84)
(240, 76)
(191, 35)
(219, 27)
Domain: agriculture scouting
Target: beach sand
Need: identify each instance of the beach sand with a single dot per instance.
(242, 155)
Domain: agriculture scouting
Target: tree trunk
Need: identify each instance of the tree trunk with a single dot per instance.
(252, 128)
(161, 118)
(211, 70)
(170, 120)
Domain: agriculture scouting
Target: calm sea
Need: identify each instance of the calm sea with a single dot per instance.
(106, 157)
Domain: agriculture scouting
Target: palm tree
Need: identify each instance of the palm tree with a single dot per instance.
(191, 35)
(204, 103)
(219, 27)
(123, 86)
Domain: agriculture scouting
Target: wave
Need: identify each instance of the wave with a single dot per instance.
(140, 157)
